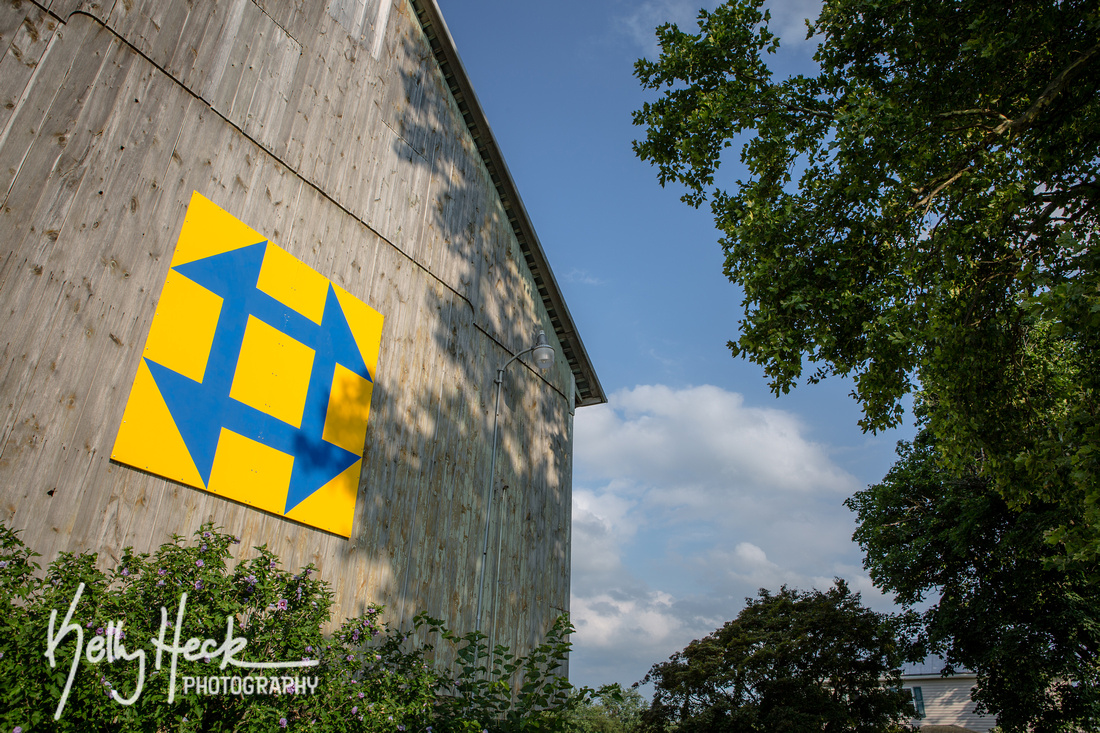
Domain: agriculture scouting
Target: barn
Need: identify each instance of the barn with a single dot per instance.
(261, 264)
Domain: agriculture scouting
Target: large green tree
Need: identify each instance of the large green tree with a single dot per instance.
(919, 215)
(790, 662)
(610, 710)
(989, 598)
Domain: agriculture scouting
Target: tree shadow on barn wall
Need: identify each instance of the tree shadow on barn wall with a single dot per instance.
(420, 515)
(487, 309)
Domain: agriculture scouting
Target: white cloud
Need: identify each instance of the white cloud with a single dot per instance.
(686, 501)
(789, 20)
(602, 523)
(638, 25)
(583, 277)
(750, 555)
(702, 446)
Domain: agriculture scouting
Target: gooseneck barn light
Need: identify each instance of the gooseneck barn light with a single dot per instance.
(543, 354)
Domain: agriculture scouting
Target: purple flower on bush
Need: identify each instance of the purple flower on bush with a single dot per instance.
(160, 582)
(362, 695)
(99, 631)
(162, 571)
(198, 585)
(282, 604)
(207, 535)
(282, 722)
(125, 572)
(199, 563)
(355, 710)
(203, 548)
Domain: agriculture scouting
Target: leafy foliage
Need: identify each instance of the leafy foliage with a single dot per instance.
(482, 695)
(789, 662)
(612, 710)
(1030, 630)
(922, 213)
(369, 677)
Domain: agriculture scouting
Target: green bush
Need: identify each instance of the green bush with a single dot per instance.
(104, 629)
(612, 710)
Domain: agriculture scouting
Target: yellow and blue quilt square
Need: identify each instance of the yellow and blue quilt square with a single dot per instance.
(257, 377)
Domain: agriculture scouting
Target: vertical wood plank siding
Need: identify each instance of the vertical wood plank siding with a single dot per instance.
(358, 164)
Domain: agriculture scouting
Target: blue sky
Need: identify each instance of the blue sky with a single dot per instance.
(694, 486)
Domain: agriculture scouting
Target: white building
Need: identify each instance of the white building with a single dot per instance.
(944, 703)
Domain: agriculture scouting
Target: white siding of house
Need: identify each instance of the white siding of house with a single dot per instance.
(947, 702)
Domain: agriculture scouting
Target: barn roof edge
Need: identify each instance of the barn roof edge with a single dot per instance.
(589, 389)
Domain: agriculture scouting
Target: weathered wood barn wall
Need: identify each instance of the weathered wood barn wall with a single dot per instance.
(347, 133)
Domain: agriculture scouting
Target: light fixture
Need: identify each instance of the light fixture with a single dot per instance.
(544, 357)
(543, 352)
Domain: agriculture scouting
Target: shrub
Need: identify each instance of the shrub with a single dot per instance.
(103, 630)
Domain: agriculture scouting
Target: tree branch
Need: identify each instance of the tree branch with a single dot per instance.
(1010, 126)
(926, 202)
(969, 112)
(1047, 97)
(808, 111)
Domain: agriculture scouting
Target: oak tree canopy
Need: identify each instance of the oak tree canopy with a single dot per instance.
(790, 662)
(982, 593)
(920, 215)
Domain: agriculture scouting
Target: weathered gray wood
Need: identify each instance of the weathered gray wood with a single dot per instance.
(25, 33)
(361, 167)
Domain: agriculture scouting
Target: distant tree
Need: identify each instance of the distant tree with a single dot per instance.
(611, 710)
(920, 213)
(790, 662)
(1028, 627)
